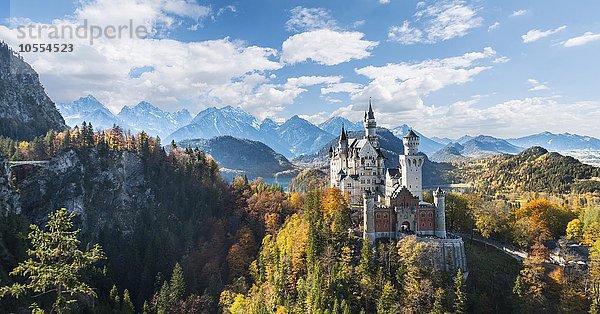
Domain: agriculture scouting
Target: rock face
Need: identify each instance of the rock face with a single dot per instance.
(25, 109)
(9, 198)
(101, 190)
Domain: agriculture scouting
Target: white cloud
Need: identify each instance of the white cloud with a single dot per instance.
(536, 85)
(186, 8)
(358, 23)
(316, 118)
(384, 1)
(536, 34)
(405, 34)
(345, 87)
(305, 81)
(501, 60)
(493, 26)
(518, 13)
(326, 47)
(223, 10)
(440, 21)
(401, 87)
(309, 19)
(513, 118)
(586, 38)
(198, 74)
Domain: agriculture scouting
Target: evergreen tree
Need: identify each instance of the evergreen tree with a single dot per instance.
(162, 303)
(146, 308)
(438, 302)
(55, 263)
(460, 297)
(177, 285)
(127, 306)
(389, 302)
(115, 300)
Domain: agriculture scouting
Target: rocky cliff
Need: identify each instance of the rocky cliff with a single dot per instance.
(25, 109)
(9, 198)
(101, 190)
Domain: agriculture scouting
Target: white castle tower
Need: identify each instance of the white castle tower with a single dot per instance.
(411, 165)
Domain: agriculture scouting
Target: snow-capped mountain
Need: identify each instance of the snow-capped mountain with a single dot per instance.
(147, 117)
(296, 136)
(88, 109)
(557, 142)
(426, 144)
(334, 125)
(302, 136)
(213, 122)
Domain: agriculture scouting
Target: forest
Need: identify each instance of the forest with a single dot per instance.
(201, 245)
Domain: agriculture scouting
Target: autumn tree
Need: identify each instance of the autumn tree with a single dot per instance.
(530, 285)
(414, 274)
(55, 263)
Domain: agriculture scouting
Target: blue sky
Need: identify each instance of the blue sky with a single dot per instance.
(448, 68)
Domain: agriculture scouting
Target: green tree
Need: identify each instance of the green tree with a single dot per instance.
(438, 301)
(460, 297)
(162, 303)
(177, 285)
(55, 263)
(115, 300)
(389, 302)
(127, 306)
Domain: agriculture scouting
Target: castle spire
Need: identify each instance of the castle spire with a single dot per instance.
(343, 135)
(371, 115)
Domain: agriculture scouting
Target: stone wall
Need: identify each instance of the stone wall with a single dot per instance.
(448, 254)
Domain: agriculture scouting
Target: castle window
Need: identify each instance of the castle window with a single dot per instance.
(378, 215)
(430, 224)
(422, 215)
(430, 214)
(349, 185)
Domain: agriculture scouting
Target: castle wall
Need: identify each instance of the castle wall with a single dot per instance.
(448, 254)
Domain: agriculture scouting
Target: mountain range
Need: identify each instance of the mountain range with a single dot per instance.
(557, 142)
(474, 148)
(297, 136)
(141, 117)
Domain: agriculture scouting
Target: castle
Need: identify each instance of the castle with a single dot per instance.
(392, 198)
